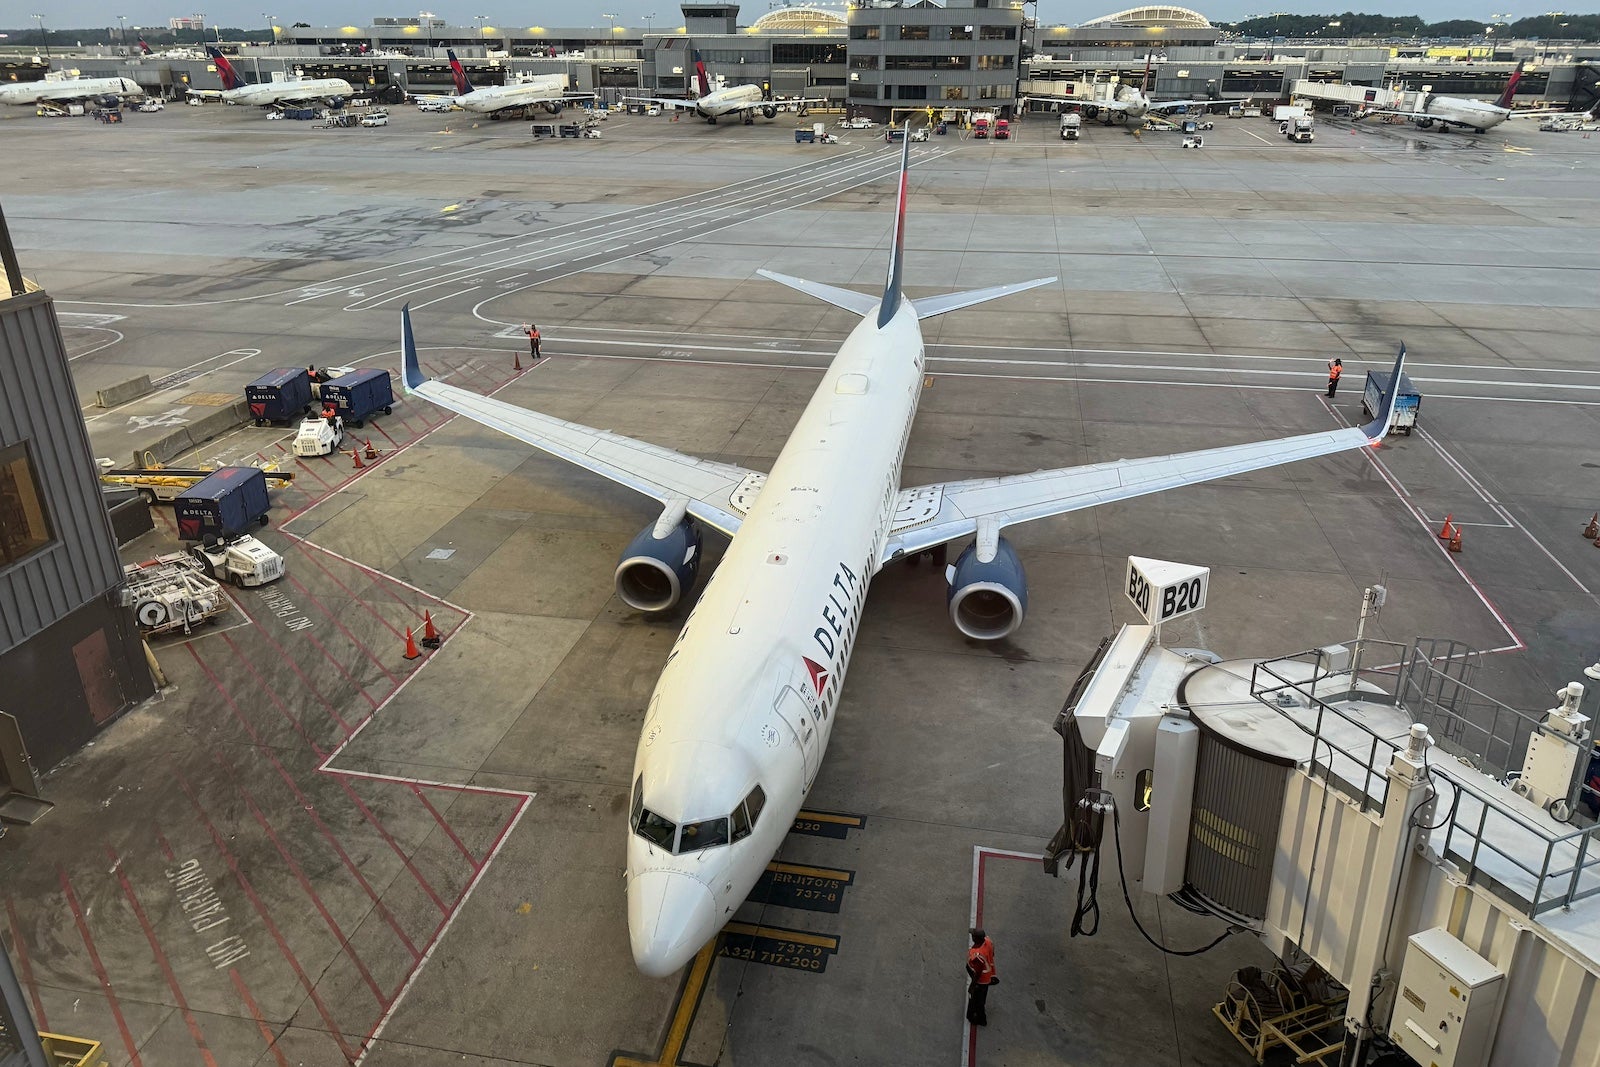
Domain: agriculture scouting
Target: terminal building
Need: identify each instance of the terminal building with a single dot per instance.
(877, 57)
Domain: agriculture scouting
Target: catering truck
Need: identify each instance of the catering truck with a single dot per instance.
(1071, 126)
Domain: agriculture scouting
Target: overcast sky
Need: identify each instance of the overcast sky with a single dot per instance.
(64, 13)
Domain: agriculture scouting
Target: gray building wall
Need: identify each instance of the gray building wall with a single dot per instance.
(926, 56)
(70, 655)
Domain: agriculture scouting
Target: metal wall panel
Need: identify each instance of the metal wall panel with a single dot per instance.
(39, 405)
(1233, 834)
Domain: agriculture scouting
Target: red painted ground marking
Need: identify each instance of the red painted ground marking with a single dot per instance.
(387, 582)
(386, 624)
(311, 470)
(166, 846)
(266, 919)
(161, 958)
(265, 688)
(316, 901)
(472, 860)
(21, 948)
(981, 857)
(255, 1013)
(386, 436)
(338, 662)
(306, 804)
(294, 665)
(279, 446)
(99, 969)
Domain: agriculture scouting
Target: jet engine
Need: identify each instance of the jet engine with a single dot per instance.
(770, 111)
(554, 106)
(988, 599)
(655, 572)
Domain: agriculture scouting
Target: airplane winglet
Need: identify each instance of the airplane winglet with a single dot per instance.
(1383, 418)
(411, 373)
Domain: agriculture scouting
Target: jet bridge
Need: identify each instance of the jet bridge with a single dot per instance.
(1361, 807)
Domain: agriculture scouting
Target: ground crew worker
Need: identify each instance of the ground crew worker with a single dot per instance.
(1335, 368)
(533, 341)
(330, 412)
(980, 976)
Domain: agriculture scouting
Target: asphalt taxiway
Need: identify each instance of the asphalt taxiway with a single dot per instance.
(413, 861)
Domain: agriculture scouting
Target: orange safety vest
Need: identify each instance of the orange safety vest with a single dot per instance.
(534, 334)
(980, 962)
(1334, 370)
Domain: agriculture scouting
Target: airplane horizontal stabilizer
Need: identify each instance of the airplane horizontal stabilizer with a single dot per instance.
(848, 299)
(929, 306)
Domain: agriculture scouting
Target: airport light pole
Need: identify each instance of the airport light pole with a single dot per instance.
(124, 35)
(44, 34)
(612, 19)
(427, 17)
(480, 20)
(648, 19)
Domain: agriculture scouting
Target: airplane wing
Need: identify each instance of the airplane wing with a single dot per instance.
(709, 487)
(930, 515)
(662, 101)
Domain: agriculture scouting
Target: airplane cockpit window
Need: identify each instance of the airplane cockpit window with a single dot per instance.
(746, 814)
(741, 823)
(699, 835)
(654, 829)
(754, 803)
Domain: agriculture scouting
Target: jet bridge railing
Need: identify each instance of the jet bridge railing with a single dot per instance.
(1436, 689)
(1355, 767)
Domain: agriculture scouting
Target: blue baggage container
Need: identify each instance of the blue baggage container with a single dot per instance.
(360, 394)
(225, 503)
(281, 395)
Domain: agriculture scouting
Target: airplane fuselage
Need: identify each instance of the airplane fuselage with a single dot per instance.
(521, 94)
(78, 89)
(750, 690)
(265, 93)
(1455, 111)
(720, 102)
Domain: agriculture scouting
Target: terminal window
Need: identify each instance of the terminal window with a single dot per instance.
(998, 33)
(24, 523)
(914, 33)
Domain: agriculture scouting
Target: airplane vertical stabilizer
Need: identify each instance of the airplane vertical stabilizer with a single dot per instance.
(230, 77)
(897, 243)
(458, 73)
(700, 73)
(1511, 87)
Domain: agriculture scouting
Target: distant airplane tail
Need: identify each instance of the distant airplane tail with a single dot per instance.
(700, 73)
(1144, 83)
(459, 73)
(1511, 88)
(144, 47)
(888, 305)
(230, 77)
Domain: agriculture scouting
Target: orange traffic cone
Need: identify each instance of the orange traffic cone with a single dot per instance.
(516, 359)
(1592, 531)
(1444, 534)
(1455, 540)
(411, 645)
(430, 635)
(355, 453)
(372, 453)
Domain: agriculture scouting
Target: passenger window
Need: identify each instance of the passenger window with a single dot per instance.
(654, 829)
(699, 835)
(754, 803)
(741, 823)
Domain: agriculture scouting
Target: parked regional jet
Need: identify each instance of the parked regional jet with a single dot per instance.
(1125, 104)
(306, 90)
(548, 91)
(68, 90)
(741, 100)
(1475, 115)
(735, 731)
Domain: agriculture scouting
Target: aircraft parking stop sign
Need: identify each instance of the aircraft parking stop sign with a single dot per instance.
(1163, 591)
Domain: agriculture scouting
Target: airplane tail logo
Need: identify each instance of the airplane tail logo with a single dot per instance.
(230, 77)
(459, 73)
(144, 47)
(700, 73)
(1511, 88)
(819, 674)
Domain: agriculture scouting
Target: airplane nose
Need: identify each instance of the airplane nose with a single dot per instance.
(670, 917)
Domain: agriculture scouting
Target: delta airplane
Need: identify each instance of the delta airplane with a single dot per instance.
(735, 731)
(1475, 115)
(306, 90)
(68, 90)
(548, 91)
(713, 104)
(1125, 104)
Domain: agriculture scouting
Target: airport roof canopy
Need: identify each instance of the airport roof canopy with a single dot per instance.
(1154, 15)
(798, 19)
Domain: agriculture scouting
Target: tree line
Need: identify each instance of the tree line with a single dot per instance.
(1350, 24)
(157, 37)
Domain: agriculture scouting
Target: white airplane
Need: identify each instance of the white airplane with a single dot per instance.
(68, 90)
(713, 104)
(306, 90)
(548, 91)
(1475, 115)
(735, 731)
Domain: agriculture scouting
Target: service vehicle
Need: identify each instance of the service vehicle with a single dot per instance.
(1002, 130)
(860, 122)
(920, 133)
(980, 125)
(223, 504)
(243, 561)
(1407, 401)
(318, 436)
(1300, 131)
(360, 394)
(1196, 141)
(1288, 112)
(157, 483)
(151, 106)
(169, 593)
(374, 120)
(194, 101)
(1071, 126)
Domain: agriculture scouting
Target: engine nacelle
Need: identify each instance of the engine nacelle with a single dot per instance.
(988, 600)
(770, 111)
(654, 573)
(554, 106)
